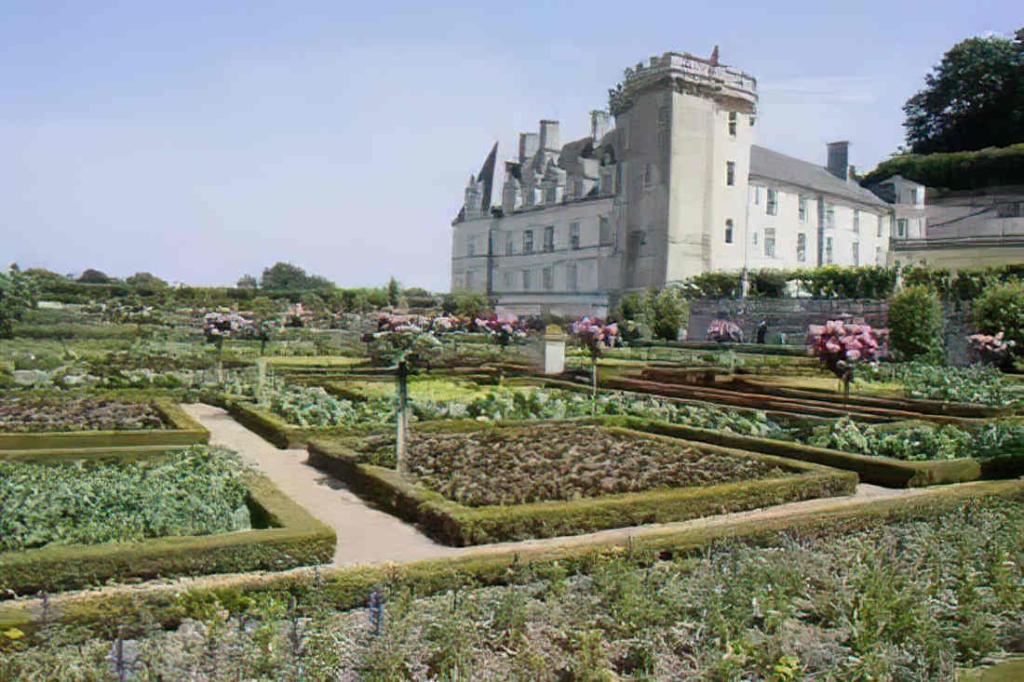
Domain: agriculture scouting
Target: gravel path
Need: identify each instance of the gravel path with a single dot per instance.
(367, 535)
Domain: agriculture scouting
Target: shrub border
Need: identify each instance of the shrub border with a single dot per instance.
(455, 524)
(296, 538)
(127, 610)
(183, 430)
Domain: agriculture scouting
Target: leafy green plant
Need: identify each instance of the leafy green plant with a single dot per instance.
(194, 492)
(1000, 308)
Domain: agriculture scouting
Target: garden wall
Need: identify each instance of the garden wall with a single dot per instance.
(791, 316)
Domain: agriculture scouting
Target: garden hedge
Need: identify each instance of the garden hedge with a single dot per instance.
(455, 524)
(291, 538)
(347, 587)
(183, 430)
(884, 471)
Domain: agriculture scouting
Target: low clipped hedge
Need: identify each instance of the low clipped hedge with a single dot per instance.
(292, 538)
(347, 587)
(455, 524)
(884, 471)
(182, 430)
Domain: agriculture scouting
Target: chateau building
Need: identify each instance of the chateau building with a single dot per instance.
(667, 185)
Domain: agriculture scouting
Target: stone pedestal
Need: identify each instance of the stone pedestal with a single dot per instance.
(554, 350)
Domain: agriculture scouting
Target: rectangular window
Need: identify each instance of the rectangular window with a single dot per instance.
(801, 247)
(757, 195)
(901, 227)
(574, 236)
(526, 280)
(769, 242)
(879, 226)
(549, 238)
(508, 278)
(856, 253)
(828, 250)
(604, 230)
(547, 274)
(830, 216)
(802, 211)
(571, 277)
(753, 237)
(577, 188)
(728, 231)
(528, 241)
(856, 221)
(772, 207)
(648, 175)
(663, 114)
(878, 255)
(606, 182)
(471, 248)
(732, 123)
(730, 173)
(552, 195)
(510, 245)
(1012, 209)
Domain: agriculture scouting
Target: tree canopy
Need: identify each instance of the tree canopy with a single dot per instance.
(288, 276)
(974, 98)
(17, 295)
(91, 276)
(145, 280)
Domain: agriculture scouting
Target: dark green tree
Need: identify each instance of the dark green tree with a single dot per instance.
(92, 276)
(284, 276)
(246, 282)
(17, 296)
(973, 99)
(394, 292)
(145, 280)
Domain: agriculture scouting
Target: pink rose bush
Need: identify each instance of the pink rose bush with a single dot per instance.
(842, 345)
(595, 335)
(724, 331)
(990, 349)
(504, 329)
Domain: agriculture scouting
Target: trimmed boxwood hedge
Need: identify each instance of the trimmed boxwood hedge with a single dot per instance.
(347, 587)
(182, 431)
(292, 538)
(455, 524)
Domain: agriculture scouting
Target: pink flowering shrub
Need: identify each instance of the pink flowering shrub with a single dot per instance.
(504, 329)
(724, 331)
(595, 335)
(842, 345)
(990, 349)
(220, 325)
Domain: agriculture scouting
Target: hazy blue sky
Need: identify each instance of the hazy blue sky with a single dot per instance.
(201, 140)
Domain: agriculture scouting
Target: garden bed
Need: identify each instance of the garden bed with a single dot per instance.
(563, 478)
(67, 525)
(50, 421)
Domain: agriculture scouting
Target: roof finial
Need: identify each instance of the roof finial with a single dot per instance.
(714, 56)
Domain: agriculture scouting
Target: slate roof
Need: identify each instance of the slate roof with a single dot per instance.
(772, 165)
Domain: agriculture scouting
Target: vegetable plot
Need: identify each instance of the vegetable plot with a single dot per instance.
(561, 462)
(38, 414)
(199, 491)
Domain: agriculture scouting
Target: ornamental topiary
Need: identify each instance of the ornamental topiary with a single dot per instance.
(1000, 308)
(915, 324)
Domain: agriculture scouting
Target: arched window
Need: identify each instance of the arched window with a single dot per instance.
(728, 231)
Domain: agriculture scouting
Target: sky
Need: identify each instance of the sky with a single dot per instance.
(202, 140)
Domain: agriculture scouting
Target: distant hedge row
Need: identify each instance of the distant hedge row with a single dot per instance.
(833, 281)
(956, 170)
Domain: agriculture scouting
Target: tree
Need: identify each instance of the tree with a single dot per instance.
(465, 304)
(145, 280)
(246, 282)
(1000, 308)
(91, 276)
(668, 313)
(284, 276)
(973, 99)
(915, 324)
(17, 296)
(394, 292)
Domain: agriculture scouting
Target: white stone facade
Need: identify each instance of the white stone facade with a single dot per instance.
(675, 189)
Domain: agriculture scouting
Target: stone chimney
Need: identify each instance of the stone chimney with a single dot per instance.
(549, 136)
(529, 143)
(839, 159)
(599, 123)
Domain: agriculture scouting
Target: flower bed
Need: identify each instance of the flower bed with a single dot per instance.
(37, 414)
(519, 482)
